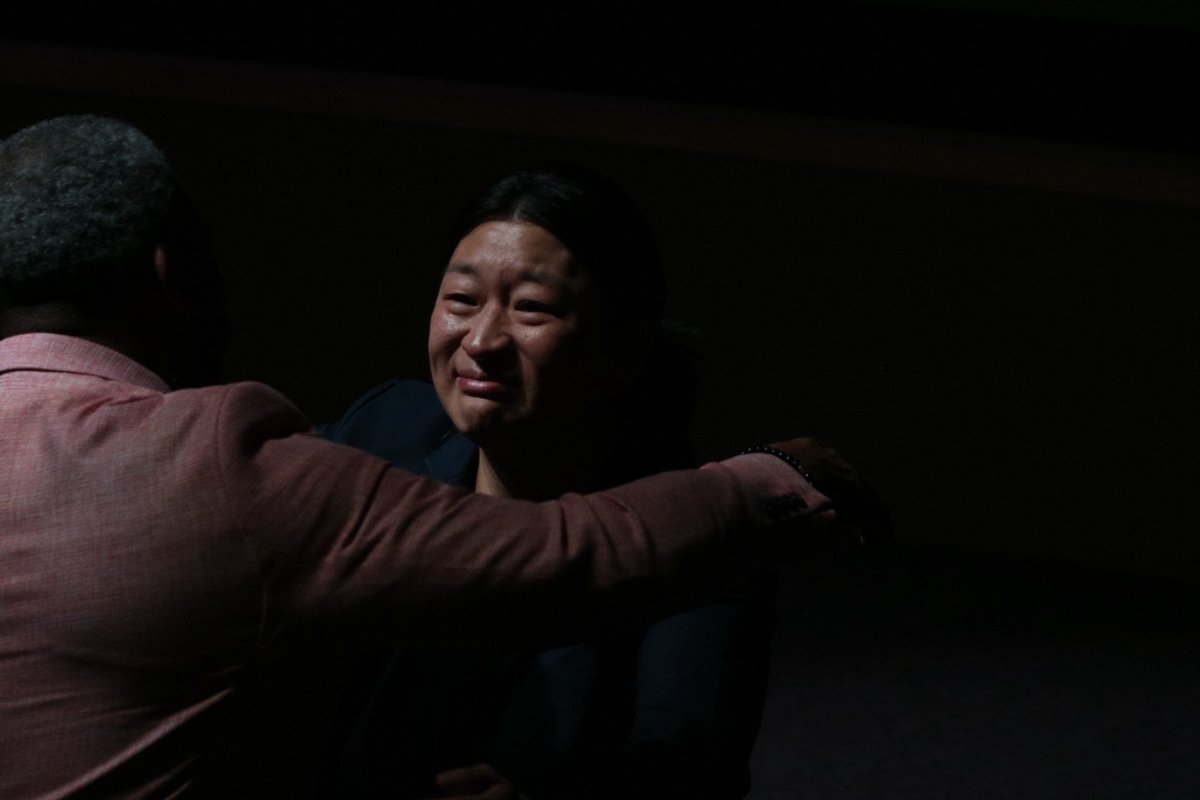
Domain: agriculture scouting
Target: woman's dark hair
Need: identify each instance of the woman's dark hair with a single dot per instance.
(596, 221)
(608, 237)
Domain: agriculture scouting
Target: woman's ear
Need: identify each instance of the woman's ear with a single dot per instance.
(627, 349)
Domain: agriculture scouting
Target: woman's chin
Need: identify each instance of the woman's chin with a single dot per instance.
(483, 425)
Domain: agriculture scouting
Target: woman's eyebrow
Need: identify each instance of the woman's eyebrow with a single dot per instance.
(527, 275)
(542, 278)
(462, 269)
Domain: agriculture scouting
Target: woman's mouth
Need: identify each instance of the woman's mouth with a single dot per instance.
(478, 384)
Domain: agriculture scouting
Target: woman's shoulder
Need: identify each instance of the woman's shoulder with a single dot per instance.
(397, 392)
(400, 420)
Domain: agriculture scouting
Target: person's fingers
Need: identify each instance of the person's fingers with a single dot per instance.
(859, 510)
(475, 778)
(476, 782)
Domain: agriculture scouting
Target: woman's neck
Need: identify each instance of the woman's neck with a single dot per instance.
(572, 463)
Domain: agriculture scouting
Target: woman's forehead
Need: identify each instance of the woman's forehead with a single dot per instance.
(513, 251)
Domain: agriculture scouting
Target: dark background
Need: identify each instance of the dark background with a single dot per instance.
(957, 240)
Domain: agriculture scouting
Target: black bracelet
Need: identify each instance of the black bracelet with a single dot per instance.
(787, 459)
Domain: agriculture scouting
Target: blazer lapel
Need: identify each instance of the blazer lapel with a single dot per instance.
(455, 461)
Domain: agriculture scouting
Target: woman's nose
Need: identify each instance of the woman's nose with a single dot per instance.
(488, 334)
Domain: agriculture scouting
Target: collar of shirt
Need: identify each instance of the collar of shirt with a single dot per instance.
(52, 352)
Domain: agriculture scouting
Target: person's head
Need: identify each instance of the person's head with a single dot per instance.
(98, 240)
(549, 308)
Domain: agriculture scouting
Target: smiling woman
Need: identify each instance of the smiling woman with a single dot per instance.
(512, 313)
(553, 372)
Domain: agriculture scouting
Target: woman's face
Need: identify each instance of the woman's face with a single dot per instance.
(516, 337)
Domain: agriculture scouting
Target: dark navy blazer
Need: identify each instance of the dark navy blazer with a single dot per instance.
(669, 709)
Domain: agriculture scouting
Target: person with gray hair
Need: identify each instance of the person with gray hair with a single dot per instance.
(156, 540)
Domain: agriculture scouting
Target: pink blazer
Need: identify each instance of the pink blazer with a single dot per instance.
(151, 542)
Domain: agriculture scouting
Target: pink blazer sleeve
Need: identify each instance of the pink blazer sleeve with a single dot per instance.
(344, 539)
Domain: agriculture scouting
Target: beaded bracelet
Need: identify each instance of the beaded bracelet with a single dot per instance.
(787, 459)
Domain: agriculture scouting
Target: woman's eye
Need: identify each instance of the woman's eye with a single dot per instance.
(536, 307)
